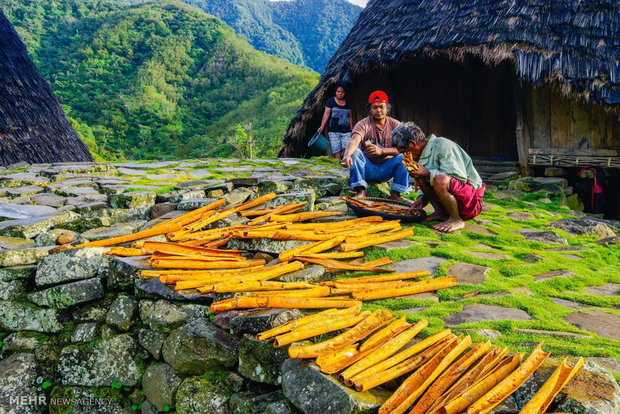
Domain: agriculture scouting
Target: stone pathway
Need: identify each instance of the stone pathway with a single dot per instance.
(480, 312)
(599, 322)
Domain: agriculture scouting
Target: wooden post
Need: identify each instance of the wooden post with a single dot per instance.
(250, 146)
(522, 131)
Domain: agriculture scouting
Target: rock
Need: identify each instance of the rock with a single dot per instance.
(50, 238)
(20, 342)
(69, 294)
(322, 185)
(554, 273)
(265, 245)
(508, 195)
(609, 289)
(15, 316)
(609, 363)
(430, 263)
(584, 226)
(162, 316)
(249, 402)
(234, 381)
(479, 312)
(574, 203)
(568, 303)
(520, 216)
(123, 270)
(546, 237)
(601, 323)
(198, 346)
(477, 229)
(489, 333)
(9, 274)
(160, 209)
(84, 332)
(397, 244)
(19, 179)
(160, 384)
(25, 191)
(72, 264)
(312, 392)
(237, 196)
(558, 334)
(183, 195)
(18, 387)
(281, 407)
(133, 200)
(533, 258)
(468, 273)
(260, 361)
(255, 321)
(197, 395)
(488, 255)
(12, 243)
(92, 312)
(193, 204)
(17, 211)
(130, 171)
(608, 241)
(75, 191)
(294, 197)
(502, 178)
(312, 273)
(12, 290)
(21, 257)
(153, 289)
(591, 391)
(332, 204)
(151, 341)
(121, 313)
(273, 186)
(110, 360)
(571, 256)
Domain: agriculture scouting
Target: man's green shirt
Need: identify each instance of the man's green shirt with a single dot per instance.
(442, 156)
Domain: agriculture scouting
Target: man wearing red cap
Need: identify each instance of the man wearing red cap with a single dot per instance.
(369, 155)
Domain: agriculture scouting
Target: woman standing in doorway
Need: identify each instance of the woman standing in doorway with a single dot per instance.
(338, 113)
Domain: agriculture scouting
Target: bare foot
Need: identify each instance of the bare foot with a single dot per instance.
(361, 193)
(449, 226)
(437, 217)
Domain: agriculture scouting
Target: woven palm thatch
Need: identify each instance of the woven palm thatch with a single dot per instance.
(572, 44)
(33, 126)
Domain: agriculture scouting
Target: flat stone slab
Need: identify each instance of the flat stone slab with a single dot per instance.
(546, 237)
(430, 263)
(477, 229)
(568, 304)
(571, 256)
(130, 171)
(467, 273)
(48, 199)
(422, 296)
(599, 322)
(553, 273)
(584, 226)
(609, 289)
(488, 255)
(520, 216)
(397, 244)
(120, 229)
(559, 334)
(480, 312)
(20, 211)
(158, 177)
(12, 243)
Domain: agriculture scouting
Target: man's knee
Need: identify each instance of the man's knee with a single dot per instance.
(441, 182)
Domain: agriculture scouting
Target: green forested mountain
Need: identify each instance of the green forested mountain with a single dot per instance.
(305, 32)
(160, 79)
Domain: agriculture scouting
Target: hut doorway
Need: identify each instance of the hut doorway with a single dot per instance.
(470, 103)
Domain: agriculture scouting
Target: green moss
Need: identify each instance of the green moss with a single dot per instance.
(63, 396)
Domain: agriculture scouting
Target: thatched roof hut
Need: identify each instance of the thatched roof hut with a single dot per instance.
(528, 79)
(33, 126)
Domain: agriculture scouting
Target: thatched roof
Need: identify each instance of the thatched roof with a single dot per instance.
(574, 44)
(33, 126)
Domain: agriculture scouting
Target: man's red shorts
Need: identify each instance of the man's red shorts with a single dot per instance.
(468, 198)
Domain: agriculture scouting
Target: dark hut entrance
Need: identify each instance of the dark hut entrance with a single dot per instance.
(469, 102)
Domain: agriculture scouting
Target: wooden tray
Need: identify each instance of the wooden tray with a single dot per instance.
(365, 212)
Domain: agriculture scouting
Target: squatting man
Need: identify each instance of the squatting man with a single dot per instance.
(445, 174)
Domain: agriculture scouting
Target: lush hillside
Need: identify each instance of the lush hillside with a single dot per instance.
(158, 80)
(305, 32)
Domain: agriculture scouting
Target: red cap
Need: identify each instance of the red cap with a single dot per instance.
(378, 97)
